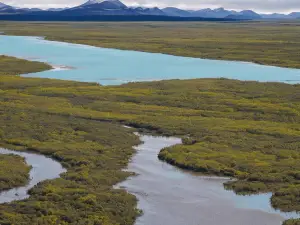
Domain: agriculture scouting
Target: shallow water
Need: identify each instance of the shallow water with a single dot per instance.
(112, 66)
(170, 196)
(43, 168)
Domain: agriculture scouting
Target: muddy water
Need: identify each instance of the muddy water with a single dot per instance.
(169, 196)
(43, 168)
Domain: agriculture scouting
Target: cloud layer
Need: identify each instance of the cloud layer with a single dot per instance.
(258, 5)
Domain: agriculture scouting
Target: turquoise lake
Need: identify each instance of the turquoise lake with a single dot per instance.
(112, 66)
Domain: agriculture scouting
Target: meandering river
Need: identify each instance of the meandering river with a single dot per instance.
(43, 168)
(170, 196)
(167, 195)
(112, 66)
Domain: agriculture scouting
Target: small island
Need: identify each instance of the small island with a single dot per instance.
(14, 172)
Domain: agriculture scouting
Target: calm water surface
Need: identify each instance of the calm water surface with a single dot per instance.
(170, 196)
(112, 66)
(43, 168)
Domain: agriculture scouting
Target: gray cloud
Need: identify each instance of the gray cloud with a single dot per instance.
(258, 5)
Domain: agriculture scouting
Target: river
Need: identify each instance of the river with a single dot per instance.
(167, 195)
(170, 196)
(43, 168)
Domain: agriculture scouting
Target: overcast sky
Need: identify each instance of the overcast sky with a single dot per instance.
(258, 5)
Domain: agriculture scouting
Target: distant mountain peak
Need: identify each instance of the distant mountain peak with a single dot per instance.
(219, 9)
(245, 15)
(2, 5)
(172, 11)
(150, 11)
(248, 11)
(114, 2)
(90, 2)
(205, 10)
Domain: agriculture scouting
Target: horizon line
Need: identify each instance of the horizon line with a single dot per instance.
(49, 6)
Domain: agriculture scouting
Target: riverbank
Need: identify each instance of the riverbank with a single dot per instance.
(170, 196)
(248, 130)
(14, 172)
(38, 167)
(256, 42)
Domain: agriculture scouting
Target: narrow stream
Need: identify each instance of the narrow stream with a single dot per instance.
(170, 196)
(43, 168)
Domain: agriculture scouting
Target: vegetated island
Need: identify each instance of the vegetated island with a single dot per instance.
(14, 172)
(264, 42)
(247, 130)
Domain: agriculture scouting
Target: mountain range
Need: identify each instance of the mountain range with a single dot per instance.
(117, 8)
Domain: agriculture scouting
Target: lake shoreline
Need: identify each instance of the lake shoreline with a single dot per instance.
(110, 75)
(254, 62)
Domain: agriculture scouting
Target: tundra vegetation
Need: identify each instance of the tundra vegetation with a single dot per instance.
(270, 43)
(93, 152)
(246, 130)
(14, 172)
